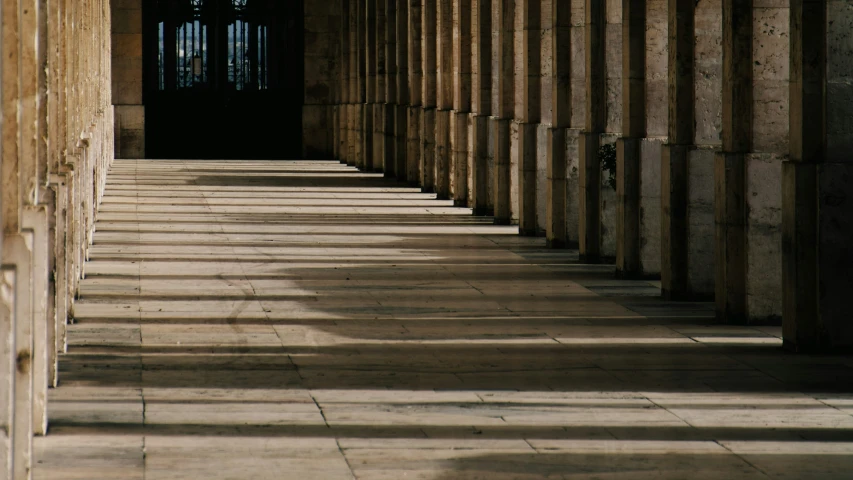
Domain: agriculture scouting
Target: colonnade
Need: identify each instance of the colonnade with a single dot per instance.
(704, 142)
(56, 147)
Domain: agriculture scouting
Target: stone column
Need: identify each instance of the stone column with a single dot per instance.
(577, 57)
(556, 196)
(730, 163)
(503, 109)
(674, 170)
(589, 181)
(429, 94)
(46, 193)
(335, 107)
(687, 159)
(52, 136)
(369, 52)
(344, 90)
(749, 170)
(628, 165)
(17, 242)
(380, 108)
(461, 100)
(390, 106)
(8, 349)
(529, 115)
(62, 178)
(816, 188)
(34, 215)
(391, 44)
(414, 144)
(56, 144)
(481, 106)
(126, 79)
(444, 97)
(352, 84)
(401, 112)
(8, 324)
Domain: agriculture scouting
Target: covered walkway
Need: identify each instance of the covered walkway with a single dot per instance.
(269, 320)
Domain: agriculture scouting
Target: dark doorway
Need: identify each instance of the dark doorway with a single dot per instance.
(223, 78)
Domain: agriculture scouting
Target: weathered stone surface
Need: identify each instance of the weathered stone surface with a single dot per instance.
(650, 202)
(333, 314)
(339, 347)
(764, 235)
(700, 212)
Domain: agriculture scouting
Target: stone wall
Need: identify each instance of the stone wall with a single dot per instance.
(322, 77)
(127, 78)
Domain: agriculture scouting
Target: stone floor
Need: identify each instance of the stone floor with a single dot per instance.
(301, 320)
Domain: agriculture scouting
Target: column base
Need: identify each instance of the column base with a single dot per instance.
(501, 188)
(479, 194)
(730, 235)
(816, 232)
(589, 205)
(389, 141)
(443, 151)
(527, 153)
(400, 139)
(427, 146)
(413, 145)
(556, 196)
(459, 128)
(628, 178)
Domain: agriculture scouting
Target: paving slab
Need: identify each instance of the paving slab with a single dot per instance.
(263, 319)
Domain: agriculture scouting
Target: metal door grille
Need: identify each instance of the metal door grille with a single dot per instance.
(186, 47)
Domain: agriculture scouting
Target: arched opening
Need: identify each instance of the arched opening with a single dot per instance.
(223, 78)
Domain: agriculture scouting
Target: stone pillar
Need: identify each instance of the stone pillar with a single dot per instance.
(354, 115)
(444, 97)
(481, 105)
(342, 148)
(401, 113)
(33, 172)
(730, 168)
(530, 114)
(577, 57)
(503, 108)
(359, 76)
(16, 245)
(7, 368)
(57, 205)
(816, 184)
(126, 79)
(687, 159)
(749, 169)
(370, 63)
(589, 181)
(628, 165)
(8, 325)
(46, 194)
(674, 158)
(380, 108)
(461, 100)
(429, 94)
(415, 113)
(556, 196)
(56, 144)
(390, 106)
